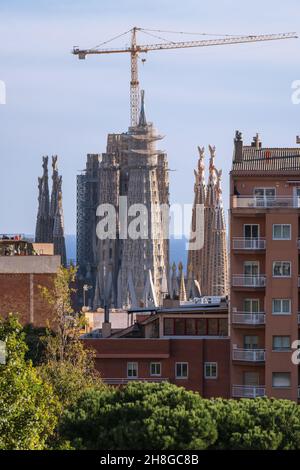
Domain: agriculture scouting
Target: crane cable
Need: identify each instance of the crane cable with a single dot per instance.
(112, 39)
(194, 34)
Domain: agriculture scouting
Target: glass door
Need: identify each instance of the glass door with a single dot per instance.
(251, 235)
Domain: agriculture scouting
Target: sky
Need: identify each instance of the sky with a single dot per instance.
(57, 104)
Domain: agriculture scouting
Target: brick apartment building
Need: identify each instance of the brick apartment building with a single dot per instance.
(24, 266)
(183, 343)
(264, 264)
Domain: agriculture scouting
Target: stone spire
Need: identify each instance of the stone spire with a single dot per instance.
(210, 203)
(195, 257)
(182, 291)
(43, 222)
(209, 264)
(142, 118)
(58, 223)
(218, 269)
(50, 219)
(174, 282)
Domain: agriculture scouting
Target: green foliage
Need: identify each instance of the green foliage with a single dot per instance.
(34, 338)
(28, 407)
(262, 424)
(163, 416)
(139, 416)
(69, 366)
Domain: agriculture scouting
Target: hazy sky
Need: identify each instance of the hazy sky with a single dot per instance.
(57, 104)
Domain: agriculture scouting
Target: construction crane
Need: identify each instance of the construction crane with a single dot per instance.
(135, 49)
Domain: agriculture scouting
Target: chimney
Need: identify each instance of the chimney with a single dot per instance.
(256, 142)
(238, 147)
(106, 325)
(298, 139)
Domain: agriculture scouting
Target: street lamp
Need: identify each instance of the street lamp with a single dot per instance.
(86, 288)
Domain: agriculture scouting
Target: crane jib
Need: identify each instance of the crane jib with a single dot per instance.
(136, 49)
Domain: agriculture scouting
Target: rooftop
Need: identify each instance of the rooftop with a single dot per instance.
(256, 158)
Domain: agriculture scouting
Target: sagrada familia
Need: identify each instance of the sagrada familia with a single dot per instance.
(50, 217)
(125, 271)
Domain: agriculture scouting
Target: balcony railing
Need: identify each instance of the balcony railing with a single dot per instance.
(124, 381)
(249, 318)
(249, 244)
(248, 391)
(265, 202)
(241, 280)
(248, 355)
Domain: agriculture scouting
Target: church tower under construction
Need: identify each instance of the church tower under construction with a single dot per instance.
(130, 269)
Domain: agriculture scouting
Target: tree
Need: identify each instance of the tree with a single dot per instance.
(28, 406)
(68, 366)
(260, 424)
(139, 416)
(34, 338)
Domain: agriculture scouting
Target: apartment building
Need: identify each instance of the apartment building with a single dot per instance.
(264, 265)
(184, 343)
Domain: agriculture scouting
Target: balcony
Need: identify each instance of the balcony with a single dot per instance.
(267, 202)
(248, 355)
(248, 391)
(124, 381)
(241, 280)
(249, 244)
(248, 318)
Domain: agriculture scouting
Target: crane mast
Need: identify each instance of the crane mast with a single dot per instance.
(135, 49)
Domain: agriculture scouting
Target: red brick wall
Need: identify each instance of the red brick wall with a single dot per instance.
(194, 351)
(15, 297)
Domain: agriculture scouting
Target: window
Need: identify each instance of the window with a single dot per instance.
(251, 235)
(281, 231)
(179, 326)
(281, 343)
(168, 326)
(190, 325)
(264, 196)
(213, 329)
(201, 325)
(132, 370)
(281, 379)
(251, 305)
(251, 231)
(223, 327)
(250, 342)
(281, 269)
(251, 378)
(181, 370)
(264, 192)
(251, 268)
(210, 370)
(281, 306)
(155, 369)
